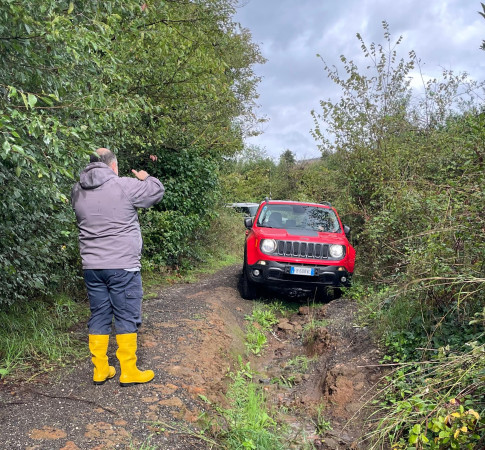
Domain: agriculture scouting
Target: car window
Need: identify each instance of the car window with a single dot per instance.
(247, 209)
(299, 217)
(253, 210)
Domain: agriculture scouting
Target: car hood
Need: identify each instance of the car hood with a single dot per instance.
(300, 235)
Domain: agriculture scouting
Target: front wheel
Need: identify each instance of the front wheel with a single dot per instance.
(323, 294)
(248, 290)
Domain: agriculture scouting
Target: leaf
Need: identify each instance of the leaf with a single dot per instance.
(18, 149)
(71, 8)
(204, 399)
(416, 429)
(32, 100)
(474, 413)
(6, 147)
(18, 171)
(24, 98)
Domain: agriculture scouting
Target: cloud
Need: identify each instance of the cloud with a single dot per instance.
(444, 34)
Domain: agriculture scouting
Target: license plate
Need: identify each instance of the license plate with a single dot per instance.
(302, 271)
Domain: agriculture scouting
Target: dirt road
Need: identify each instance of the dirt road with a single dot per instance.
(190, 337)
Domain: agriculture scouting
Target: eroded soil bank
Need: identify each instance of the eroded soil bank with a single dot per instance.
(327, 403)
(191, 336)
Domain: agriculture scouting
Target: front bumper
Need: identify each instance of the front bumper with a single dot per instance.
(276, 274)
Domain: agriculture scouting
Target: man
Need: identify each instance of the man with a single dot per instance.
(110, 243)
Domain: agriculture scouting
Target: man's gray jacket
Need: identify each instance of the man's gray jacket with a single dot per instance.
(105, 206)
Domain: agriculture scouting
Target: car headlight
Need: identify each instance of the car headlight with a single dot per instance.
(336, 251)
(268, 245)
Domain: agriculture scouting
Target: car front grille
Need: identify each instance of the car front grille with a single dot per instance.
(297, 249)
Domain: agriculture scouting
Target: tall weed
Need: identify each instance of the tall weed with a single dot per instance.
(36, 335)
(248, 423)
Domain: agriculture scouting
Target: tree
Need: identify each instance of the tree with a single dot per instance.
(482, 13)
(285, 183)
(248, 176)
(171, 78)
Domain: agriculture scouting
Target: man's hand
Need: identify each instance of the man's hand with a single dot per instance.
(141, 175)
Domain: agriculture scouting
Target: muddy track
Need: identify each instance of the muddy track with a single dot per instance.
(190, 337)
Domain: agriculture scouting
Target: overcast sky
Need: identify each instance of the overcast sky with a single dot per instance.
(443, 33)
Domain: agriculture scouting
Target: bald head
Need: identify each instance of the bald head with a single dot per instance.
(108, 157)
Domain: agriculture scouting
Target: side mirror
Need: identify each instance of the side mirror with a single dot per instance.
(248, 222)
(346, 230)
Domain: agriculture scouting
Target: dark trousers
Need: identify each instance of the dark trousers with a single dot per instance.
(114, 293)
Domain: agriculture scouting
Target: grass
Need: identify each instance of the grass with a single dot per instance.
(264, 316)
(256, 339)
(261, 320)
(287, 381)
(433, 397)
(435, 404)
(35, 335)
(301, 363)
(322, 425)
(144, 446)
(311, 330)
(247, 423)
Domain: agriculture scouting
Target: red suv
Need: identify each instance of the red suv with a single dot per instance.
(296, 246)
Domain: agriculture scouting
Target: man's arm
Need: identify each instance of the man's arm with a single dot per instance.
(143, 194)
(141, 175)
(146, 190)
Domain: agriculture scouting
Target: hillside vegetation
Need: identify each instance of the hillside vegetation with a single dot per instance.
(405, 169)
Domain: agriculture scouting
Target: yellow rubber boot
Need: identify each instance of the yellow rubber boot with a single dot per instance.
(98, 346)
(127, 355)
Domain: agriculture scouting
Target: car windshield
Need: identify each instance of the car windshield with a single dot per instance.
(299, 217)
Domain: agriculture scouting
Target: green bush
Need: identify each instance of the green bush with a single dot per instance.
(407, 172)
(38, 245)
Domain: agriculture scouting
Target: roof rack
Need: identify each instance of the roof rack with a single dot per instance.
(266, 199)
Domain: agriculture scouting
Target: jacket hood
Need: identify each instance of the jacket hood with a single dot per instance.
(95, 174)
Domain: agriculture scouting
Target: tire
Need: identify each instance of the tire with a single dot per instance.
(324, 294)
(248, 290)
(337, 293)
